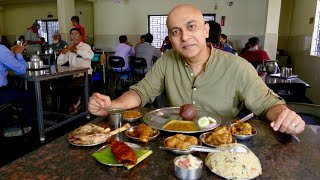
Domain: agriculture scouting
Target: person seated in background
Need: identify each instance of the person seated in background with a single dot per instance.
(33, 40)
(4, 41)
(245, 49)
(58, 44)
(124, 50)
(78, 54)
(224, 41)
(255, 55)
(147, 51)
(13, 60)
(166, 45)
(142, 40)
(44, 45)
(191, 72)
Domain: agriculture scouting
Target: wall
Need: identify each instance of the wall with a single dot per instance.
(244, 19)
(18, 17)
(299, 43)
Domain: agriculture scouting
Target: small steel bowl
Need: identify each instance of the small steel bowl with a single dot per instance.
(204, 136)
(132, 119)
(245, 137)
(178, 151)
(183, 173)
(156, 133)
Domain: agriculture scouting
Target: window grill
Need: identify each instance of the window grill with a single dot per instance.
(158, 28)
(48, 28)
(315, 44)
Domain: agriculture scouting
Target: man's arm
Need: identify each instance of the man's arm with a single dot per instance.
(100, 104)
(285, 120)
(85, 52)
(14, 60)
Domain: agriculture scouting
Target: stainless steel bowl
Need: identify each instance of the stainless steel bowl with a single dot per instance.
(29, 65)
(203, 138)
(132, 119)
(183, 173)
(245, 137)
(156, 133)
(178, 151)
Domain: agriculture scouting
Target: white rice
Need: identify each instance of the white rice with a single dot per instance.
(234, 165)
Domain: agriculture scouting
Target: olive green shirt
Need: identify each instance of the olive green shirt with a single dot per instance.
(227, 83)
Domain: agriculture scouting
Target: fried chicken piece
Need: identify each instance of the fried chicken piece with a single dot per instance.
(172, 142)
(221, 135)
(183, 146)
(181, 137)
(123, 153)
(241, 129)
(192, 140)
(145, 132)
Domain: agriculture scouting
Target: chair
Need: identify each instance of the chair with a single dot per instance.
(310, 113)
(117, 62)
(138, 64)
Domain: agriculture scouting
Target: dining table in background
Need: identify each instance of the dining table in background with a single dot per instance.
(36, 76)
(281, 157)
(47, 59)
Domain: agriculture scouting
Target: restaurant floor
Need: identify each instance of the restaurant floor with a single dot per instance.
(15, 147)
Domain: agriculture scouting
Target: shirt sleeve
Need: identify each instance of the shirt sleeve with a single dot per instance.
(15, 63)
(152, 85)
(257, 96)
(131, 53)
(85, 52)
(62, 59)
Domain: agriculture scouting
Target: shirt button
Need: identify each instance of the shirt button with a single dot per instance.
(191, 74)
(194, 89)
(194, 102)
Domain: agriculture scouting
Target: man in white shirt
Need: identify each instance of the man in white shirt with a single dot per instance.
(124, 50)
(78, 54)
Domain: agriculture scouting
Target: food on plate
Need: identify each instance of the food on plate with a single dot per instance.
(241, 128)
(181, 142)
(220, 135)
(131, 114)
(143, 132)
(206, 122)
(188, 162)
(233, 165)
(178, 125)
(188, 111)
(91, 134)
(123, 153)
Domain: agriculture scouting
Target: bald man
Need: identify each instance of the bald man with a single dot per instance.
(211, 79)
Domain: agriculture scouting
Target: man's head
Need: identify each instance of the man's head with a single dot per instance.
(142, 38)
(214, 32)
(75, 20)
(254, 41)
(188, 31)
(56, 38)
(35, 27)
(123, 39)
(223, 38)
(75, 36)
(148, 38)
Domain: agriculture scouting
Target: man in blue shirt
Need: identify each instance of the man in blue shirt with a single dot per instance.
(224, 41)
(13, 60)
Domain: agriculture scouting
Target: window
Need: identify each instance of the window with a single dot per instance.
(315, 44)
(158, 28)
(48, 28)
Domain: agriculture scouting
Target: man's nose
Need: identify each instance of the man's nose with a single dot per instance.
(185, 35)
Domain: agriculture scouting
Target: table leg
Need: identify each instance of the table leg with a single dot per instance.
(39, 110)
(86, 94)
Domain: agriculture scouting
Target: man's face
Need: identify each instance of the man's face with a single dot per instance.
(187, 31)
(35, 29)
(73, 22)
(75, 37)
(222, 40)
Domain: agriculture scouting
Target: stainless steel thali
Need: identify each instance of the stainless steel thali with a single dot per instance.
(159, 117)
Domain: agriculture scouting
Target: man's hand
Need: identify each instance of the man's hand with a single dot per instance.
(73, 48)
(18, 49)
(285, 120)
(65, 50)
(99, 104)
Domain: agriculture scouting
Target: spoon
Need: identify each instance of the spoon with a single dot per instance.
(246, 118)
(234, 149)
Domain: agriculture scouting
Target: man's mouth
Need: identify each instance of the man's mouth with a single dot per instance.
(189, 46)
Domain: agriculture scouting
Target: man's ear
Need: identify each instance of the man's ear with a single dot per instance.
(207, 28)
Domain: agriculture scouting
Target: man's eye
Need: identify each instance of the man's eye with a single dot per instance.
(175, 32)
(192, 26)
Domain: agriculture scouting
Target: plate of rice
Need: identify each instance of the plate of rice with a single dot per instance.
(233, 165)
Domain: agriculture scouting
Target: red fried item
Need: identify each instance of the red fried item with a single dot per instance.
(123, 153)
